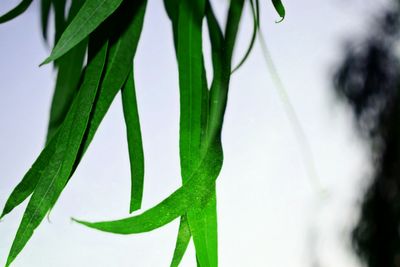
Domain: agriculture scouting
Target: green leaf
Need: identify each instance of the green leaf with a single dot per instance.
(254, 11)
(45, 6)
(182, 241)
(16, 11)
(184, 235)
(280, 8)
(89, 17)
(123, 48)
(68, 142)
(191, 83)
(59, 18)
(194, 193)
(67, 85)
(68, 77)
(118, 65)
(135, 145)
(199, 189)
(26, 187)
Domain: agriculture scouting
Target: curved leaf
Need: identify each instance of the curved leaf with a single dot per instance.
(60, 165)
(182, 241)
(280, 8)
(254, 11)
(45, 6)
(119, 63)
(194, 193)
(16, 11)
(28, 183)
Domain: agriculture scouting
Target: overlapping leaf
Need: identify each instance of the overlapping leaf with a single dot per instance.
(50, 173)
(60, 164)
(198, 191)
(89, 17)
(72, 126)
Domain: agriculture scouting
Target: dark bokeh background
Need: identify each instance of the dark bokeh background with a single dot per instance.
(369, 80)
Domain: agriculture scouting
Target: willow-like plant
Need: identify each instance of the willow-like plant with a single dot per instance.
(107, 32)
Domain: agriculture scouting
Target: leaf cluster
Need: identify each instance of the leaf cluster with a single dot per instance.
(105, 35)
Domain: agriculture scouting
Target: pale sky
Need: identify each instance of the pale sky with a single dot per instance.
(270, 213)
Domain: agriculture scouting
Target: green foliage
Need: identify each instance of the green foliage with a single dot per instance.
(15, 12)
(109, 32)
(135, 146)
(280, 8)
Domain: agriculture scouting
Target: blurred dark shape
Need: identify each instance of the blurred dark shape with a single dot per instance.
(369, 80)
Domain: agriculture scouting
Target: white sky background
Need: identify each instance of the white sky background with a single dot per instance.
(269, 212)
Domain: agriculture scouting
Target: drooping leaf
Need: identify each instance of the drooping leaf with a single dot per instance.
(190, 62)
(45, 7)
(199, 189)
(184, 235)
(182, 241)
(280, 9)
(59, 18)
(135, 145)
(60, 165)
(254, 11)
(68, 77)
(16, 11)
(89, 17)
(191, 75)
(119, 63)
(127, 29)
(28, 183)
(194, 122)
(195, 192)
(67, 84)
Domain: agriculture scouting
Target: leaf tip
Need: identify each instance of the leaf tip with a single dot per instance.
(80, 222)
(134, 207)
(279, 21)
(46, 61)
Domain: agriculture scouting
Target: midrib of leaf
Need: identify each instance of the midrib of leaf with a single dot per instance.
(194, 193)
(68, 142)
(200, 187)
(127, 44)
(85, 22)
(67, 85)
(191, 88)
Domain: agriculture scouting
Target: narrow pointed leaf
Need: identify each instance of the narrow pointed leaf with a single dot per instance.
(67, 84)
(119, 63)
(59, 168)
(254, 11)
(195, 192)
(26, 187)
(184, 235)
(134, 137)
(280, 9)
(120, 60)
(16, 11)
(193, 117)
(45, 7)
(198, 189)
(89, 17)
(182, 241)
(59, 18)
